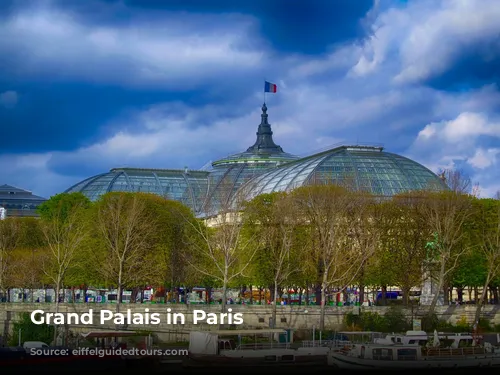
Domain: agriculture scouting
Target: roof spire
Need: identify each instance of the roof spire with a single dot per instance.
(264, 142)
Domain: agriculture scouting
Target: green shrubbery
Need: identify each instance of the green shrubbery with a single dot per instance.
(30, 331)
(395, 320)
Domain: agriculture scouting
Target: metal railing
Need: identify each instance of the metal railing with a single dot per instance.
(263, 345)
(325, 343)
(449, 352)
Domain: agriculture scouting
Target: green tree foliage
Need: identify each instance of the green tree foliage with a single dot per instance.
(60, 206)
(30, 331)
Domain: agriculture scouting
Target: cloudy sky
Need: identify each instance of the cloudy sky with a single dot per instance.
(86, 86)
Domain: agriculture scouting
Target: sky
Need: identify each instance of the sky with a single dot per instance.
(86, 86)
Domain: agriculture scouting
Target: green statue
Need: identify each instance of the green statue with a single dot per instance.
(432, 248)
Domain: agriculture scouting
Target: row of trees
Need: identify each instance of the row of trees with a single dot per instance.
(319, 237)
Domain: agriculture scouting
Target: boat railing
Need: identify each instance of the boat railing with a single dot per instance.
(449, 352)
(325, 343)
(263, 345)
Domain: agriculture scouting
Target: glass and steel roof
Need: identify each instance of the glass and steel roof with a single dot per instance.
(188, 187)
(370, 169)
(265, 167)
(231, 172)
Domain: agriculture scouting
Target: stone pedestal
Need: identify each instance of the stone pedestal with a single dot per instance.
(429, 287)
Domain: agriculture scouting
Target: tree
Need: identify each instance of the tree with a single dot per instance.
(487, 225)
(223, 253)
(10, 234)
(447, 214)
(405, 232)
(125, 231)
(270, 219)
(65, 231)
(170, 247)
(332, 212)
(60, 206)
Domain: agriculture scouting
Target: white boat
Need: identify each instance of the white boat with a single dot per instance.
(215, 348)
(400, 356)
(451, 340)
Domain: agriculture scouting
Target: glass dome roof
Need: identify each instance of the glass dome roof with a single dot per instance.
(230, 173)
(263, 168)
(373, 170)
(188, 187)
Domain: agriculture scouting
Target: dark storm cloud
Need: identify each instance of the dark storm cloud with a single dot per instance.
(474, 67)
(300, 26)
(66, 116)
(88, 85)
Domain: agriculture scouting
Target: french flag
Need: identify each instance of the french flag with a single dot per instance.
(270, 87)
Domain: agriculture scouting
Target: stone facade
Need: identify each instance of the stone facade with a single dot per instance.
(254, 316)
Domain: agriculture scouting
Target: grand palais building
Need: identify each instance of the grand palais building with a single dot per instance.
(264, 168)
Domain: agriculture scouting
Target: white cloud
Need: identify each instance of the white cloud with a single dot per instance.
(168, 50)
(424, 37)
(459, 142)
(465, 127)
(9, 99)
(484, 158)
(311, 111)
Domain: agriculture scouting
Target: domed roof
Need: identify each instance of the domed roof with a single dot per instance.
(188, 187)
(371, 169)
(264, 150)
(231, 172)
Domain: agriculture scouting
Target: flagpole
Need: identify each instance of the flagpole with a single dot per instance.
(264, 91)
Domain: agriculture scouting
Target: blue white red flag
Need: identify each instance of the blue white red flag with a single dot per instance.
(270, 87)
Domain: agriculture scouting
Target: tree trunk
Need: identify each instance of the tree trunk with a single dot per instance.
(120, 288)
(446, 294)
(361, 294)
(479, 304)
(57, 290)
(224, 296)
(324, 285)
(275, 302)
(384, 295)
(318, 292)
(133, 295)
(406, 295)
(460, 294)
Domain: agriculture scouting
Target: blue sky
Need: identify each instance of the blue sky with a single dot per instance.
(86, 86)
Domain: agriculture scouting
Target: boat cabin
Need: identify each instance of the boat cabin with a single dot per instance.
(421, 338)
(386, 352)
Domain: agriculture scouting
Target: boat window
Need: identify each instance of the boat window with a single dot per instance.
(382, 354)
(412, 341)
(398, 339)
(422, 342)
(407, 354)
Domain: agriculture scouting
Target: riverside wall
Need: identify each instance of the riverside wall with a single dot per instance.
(254, 316)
